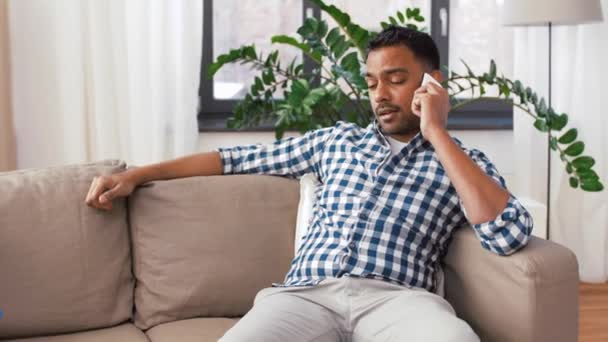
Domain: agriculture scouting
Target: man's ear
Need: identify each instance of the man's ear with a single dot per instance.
(438, 75)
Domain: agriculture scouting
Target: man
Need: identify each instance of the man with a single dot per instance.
(391, 196)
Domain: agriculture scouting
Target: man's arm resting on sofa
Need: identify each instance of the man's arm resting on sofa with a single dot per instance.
(104, 189)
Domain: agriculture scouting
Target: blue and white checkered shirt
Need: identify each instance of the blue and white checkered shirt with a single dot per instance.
(376, 215)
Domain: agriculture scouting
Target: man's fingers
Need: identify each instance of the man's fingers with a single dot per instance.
(89, 197)
(433, 88)
(421, 90)
(98, 190)
(101, 185)
(108, 196)
(106, 206)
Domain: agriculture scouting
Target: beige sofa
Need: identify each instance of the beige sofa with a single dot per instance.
(181, 260)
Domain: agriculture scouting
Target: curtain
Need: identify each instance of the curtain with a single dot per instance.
(7, 135)
(104, 79)
(579, 220)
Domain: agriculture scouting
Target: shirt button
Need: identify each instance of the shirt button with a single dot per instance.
(363, 216)
(376, 192)
(352, 245)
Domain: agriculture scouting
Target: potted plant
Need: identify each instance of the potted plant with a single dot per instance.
(317, 99)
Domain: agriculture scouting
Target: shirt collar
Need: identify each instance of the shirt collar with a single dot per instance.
(416, 143)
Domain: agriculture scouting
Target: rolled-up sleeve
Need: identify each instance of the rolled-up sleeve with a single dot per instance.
(290, 157)
(511, 229)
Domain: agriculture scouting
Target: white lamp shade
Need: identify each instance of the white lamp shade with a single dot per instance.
(541, 12)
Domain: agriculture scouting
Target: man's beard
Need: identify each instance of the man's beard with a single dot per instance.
(407, 122)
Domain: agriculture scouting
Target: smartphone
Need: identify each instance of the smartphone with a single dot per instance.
(428, 78)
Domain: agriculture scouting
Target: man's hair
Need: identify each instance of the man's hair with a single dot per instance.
(421, 44)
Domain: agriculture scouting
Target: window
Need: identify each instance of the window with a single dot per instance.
(477, 37)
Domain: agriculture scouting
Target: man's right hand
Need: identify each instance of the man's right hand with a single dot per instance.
(106, 188)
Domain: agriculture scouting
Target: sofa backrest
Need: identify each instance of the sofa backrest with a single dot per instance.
(64, 266)
(204, 246)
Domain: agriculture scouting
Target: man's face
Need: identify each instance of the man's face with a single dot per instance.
(393, 74)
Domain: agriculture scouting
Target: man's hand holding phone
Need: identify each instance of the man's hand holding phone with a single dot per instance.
(432, 104)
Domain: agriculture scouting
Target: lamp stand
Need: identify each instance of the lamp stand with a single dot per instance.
(549, 148)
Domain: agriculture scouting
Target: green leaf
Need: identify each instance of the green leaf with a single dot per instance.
(313, 23)
(353, 30)
(541, 125)
(249, 52)
(308, 28)
(268, 77)
(322, 28)
(469, 71)
(332, 36)
(529, 93)
(340, 48)
(258, 84)
(314, 97)
(504, 89)
(575, 149)
(542, 106)
(568, 137)
(298, 69)
(401, 17)
(282, 39)
(592, 186)
(393, 21)
(492, 68)
(559, 121)
(569, 168)
(299, 91)
(350, 62)
(230, 57)
(274, 56)
(517, 87)
(359, 36)
(279, 131)
(587, 174)
(584, 162)
(553, 143)
(573, 182)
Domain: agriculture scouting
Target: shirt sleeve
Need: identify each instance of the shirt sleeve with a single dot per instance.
(510, 230)
(290, 157)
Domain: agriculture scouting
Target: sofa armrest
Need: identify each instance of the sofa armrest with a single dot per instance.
(529, 296)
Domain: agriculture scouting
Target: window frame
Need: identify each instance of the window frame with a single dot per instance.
(212, 114)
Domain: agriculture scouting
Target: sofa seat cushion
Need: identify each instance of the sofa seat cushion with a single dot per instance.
(126, 332)
(191, 330)
(64, 267)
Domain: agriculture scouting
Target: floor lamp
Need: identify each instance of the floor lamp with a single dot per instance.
(549, 13)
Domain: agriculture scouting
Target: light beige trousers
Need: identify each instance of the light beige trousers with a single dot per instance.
(350, 309)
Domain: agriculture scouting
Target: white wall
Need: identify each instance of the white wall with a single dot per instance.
(497, 145)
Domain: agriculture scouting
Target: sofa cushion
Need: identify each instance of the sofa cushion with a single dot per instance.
(125, 332)
(191, 330)
(204, 246)
(65, 267)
